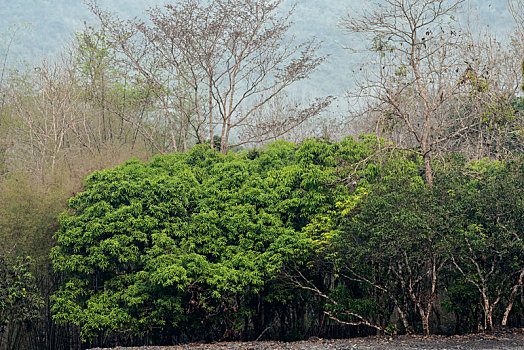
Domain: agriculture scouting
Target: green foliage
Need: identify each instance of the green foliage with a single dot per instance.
(197, 242)
(486, 220)
(20, 300)
(161, 244)
(387, 236)
(387, 239)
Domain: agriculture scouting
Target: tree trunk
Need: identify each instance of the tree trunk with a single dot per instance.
(512, 297)
(425, 322)
(506, 314)
(488, 309)
(404, 319)
(428, 171)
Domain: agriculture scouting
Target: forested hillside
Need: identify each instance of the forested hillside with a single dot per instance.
(171, 178)
(47, 27)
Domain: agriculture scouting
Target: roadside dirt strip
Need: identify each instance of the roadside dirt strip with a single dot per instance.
(507, 340)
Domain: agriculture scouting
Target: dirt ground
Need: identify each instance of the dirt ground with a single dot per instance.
(507, 340)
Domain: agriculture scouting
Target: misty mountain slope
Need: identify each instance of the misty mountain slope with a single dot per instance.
(53, 23)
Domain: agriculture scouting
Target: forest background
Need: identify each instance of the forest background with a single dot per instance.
(395, 205)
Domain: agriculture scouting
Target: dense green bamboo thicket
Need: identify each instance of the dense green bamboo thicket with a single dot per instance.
(284, 242)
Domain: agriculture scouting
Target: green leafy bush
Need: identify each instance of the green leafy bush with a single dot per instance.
(177, 241)
(20, 300)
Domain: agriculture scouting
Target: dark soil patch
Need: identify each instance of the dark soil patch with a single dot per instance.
(510, 339)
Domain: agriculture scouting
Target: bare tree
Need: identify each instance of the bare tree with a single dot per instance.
(283, 118)
(44, 105)
(64, 115)
(216, 63)
(121, 102)
(417, 56)
(489, 103)
(516, 8)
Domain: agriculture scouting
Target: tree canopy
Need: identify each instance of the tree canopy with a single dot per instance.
(160, 244)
